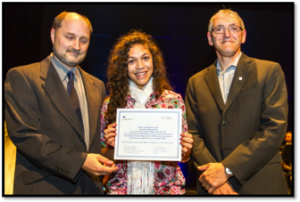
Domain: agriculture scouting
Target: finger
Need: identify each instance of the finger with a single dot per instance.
(184, 150)
(109, 138)
(187, 145)
(107, 141)
(112, 125)
(108, 135)
(206, 186)
(187, 140)
(187, 135)
(104, 160)
(111, 142)
(202, 180)
(107, 171)
(202, 168)
(110, 130)
(211, 190)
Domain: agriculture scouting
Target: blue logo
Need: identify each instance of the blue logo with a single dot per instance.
(123, 117)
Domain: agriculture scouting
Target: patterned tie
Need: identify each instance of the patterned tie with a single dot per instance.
(74, 99)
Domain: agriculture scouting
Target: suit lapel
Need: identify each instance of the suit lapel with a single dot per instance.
(213, 84)
(93, 99)
(58, 94)
(242, 73)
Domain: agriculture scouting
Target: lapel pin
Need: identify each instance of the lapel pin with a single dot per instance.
(240, 78)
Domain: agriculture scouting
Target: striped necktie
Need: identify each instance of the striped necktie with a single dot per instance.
(74, 98)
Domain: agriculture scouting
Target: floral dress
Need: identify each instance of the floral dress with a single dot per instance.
(168, 176)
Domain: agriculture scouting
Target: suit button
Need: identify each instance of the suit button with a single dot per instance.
(56, 168)
(224, 123)
(60, 170)
(66, 172)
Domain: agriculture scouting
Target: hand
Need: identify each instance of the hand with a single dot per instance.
(286, 166)
(186, 145)
(93, 165)
(110, 134)
(213, 176)
(225, 189)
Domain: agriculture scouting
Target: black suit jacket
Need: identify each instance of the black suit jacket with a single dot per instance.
(46, 131)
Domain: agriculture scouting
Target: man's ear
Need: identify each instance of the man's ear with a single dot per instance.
(52, 35)
(244, 36)
(209, 38)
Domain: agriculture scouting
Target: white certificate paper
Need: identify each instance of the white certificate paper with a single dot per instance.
(148, 134)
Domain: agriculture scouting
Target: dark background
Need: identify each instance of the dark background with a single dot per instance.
(179, 29)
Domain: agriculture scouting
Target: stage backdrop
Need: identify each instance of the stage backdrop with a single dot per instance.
(179, 29)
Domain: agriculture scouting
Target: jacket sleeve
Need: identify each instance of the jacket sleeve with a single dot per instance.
(200, 154)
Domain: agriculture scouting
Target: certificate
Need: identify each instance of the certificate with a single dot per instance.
(148, 134)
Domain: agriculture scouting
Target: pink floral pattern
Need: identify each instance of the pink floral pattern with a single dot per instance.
(168, 176)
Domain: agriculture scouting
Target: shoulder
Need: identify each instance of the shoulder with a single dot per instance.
(201, 74)
(170, 95)
(33, 67)
(30, 72)
(91, 77)
(267, 69)
(93, 80)
(167, 100)
(261, 64)
(266, 63)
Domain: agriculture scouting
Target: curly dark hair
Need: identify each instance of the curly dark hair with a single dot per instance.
(117, 73)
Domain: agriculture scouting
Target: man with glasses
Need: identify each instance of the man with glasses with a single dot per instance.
(237, 112)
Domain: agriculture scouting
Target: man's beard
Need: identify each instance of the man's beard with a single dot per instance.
(63, 59)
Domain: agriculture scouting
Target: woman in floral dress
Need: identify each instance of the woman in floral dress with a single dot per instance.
(137, 79)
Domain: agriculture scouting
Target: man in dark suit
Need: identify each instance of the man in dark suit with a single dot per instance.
(52, 110)
(237, 113)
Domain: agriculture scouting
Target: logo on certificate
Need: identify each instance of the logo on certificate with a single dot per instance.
(166, 117)
(126, 119)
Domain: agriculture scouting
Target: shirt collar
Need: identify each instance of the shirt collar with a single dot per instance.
(62, 70)
(232, 66)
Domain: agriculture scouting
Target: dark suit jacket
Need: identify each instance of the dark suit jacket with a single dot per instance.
(246, 133)
(46, 131)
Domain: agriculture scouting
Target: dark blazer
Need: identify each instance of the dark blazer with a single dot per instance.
(246, 133)
(46, 131)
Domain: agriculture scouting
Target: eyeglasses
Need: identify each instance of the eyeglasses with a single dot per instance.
(231, 29)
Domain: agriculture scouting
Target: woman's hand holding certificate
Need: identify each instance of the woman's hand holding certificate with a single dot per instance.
(110, 134)
(186, 146)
